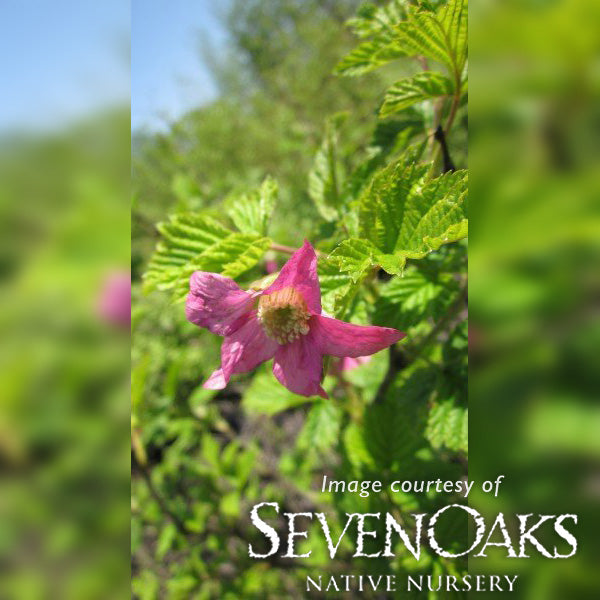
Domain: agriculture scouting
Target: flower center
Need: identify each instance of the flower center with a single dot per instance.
(284, 315)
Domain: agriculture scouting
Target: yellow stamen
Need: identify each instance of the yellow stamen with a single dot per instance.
(284, 315)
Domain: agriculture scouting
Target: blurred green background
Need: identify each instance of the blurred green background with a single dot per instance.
(534, 386)
(64, 449)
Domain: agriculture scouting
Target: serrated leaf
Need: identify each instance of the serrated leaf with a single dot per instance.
(393, 428)
(435, 214)
(409, 300)
(266, 396)
(418, 88)
(324, 178)
(370, 54)
(355, 256)
(381, 206)
(454, 19)
(448, 426)
(371, 19)
(322, 427)
(334, 283)
(184, 237)
(252, 212)
(193, 242)
(422, 34)
(403, 216)
(401, 30)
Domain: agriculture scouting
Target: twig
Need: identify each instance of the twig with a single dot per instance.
(440, 137)
(281, 248)
(289, 249)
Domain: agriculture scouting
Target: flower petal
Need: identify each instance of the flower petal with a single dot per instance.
(242, 351)
(338, 338)
(299, 365)
(300, 272)
(217, 302)
(216, 381)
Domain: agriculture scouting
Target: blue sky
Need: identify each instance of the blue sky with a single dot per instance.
(61, 60)
(65, 59)
(168, 77)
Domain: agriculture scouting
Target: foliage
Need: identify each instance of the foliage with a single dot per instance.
(390, 224)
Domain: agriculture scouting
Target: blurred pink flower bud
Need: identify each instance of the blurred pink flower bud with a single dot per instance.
(114, 303)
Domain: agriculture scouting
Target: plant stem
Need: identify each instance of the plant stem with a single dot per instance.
(281, 248)
(289, 249)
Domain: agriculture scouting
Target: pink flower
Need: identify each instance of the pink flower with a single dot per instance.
(284, 322)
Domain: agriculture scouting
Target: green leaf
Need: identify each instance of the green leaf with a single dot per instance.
(418, 88)
(397, 31)
(324, 185)
(448, 426)
(252, 212)
(392, 430)
(435, 214)
(229, 505)
(184, 237)
(198, 243)
(402, 216)
(355, 256)
(370, 55)
(166, 539)
(372, 20)
(408, 300)
(334, 283)
(266, 396)
(441, 37)
(381, 206)
(422, 34)
(356, 449)
(454, 19)
(322, 427)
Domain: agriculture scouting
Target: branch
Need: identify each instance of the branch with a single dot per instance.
(290, 250)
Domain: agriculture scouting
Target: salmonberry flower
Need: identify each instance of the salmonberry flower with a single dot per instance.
(283, 321)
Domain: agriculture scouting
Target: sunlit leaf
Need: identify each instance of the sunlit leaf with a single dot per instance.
(423, 86)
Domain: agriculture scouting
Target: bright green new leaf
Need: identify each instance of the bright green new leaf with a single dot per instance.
(370, 55)
(402, 215)
(440, 36)
(334, 283)
(372, 20)
(252, 212)
(266, 396)
(422, 86)
(356, 257)
(324, 185)
(198, 243)
(448, 426)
